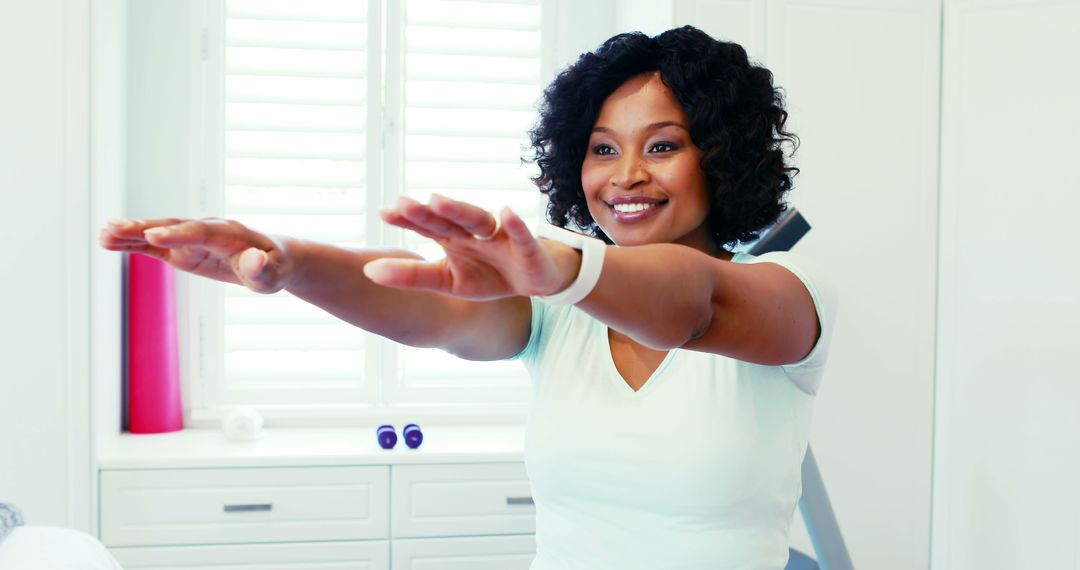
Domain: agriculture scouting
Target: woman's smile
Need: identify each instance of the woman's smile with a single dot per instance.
(632, 209)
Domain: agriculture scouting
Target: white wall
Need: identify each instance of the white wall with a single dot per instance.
(108, 179)
(45, 449)
(581, 27)
(862, 83)
(1007, 477)
(158, 115)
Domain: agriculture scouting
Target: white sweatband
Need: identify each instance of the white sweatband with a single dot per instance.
(592, 263)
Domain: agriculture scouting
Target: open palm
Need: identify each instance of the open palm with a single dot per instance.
(223, 250)
(507, 261)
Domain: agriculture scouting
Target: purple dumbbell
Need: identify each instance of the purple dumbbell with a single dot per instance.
(387, 436)
(413, 436)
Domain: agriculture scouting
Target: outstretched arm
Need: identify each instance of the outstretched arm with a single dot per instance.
(331, 278)
(662, 295)
(681, 297)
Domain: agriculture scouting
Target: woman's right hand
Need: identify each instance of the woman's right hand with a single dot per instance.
(224, 250)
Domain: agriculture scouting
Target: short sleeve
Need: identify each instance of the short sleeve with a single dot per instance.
(530, 353)
(807, 373)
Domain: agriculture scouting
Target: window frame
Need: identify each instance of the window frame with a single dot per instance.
(202, 301)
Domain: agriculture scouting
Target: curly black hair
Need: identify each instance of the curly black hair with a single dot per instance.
(736, 117)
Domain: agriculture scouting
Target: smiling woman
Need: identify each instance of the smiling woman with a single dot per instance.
(673, 381)
(683, 354)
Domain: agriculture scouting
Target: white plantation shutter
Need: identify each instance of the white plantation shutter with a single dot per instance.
(311, 127)
(472, 78)
(292, 79)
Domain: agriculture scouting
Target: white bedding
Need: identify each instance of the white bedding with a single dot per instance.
(53, 548)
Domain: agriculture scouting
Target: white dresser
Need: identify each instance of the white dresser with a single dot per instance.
(317, 499)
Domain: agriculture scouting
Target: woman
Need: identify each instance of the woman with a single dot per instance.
(672, 397)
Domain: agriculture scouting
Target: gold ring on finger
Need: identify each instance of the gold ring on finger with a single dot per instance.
(494, 232)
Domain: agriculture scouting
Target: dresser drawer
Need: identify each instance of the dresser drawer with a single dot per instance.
(472, 553)
(219, 506)
(348, 555)
(460, 500)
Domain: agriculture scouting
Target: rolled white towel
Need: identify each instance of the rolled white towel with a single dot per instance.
(242, 423)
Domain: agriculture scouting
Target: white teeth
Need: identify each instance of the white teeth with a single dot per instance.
(632, 207)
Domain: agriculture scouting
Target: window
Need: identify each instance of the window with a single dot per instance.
(316, 113)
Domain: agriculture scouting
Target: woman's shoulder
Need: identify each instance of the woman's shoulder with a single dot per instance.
(806, 372)
(807, 269)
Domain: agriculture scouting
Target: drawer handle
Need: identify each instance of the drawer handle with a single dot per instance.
(519, 501)
(248, 508)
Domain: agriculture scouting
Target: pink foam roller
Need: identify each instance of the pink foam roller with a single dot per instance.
(153, 361)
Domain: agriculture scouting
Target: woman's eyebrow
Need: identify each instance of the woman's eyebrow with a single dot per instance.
(649, 127)
(662, 124)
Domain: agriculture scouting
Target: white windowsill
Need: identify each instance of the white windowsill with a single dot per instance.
(285, 447)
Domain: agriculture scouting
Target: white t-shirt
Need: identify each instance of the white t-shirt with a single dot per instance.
(699, 469)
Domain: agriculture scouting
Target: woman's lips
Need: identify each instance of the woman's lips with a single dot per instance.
(626, 211)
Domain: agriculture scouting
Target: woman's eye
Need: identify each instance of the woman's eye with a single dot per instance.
(603, 149)
(663, 147)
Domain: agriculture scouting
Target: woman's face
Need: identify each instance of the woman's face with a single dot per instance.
(642, 174)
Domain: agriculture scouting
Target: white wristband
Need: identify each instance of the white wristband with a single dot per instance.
(592, 263)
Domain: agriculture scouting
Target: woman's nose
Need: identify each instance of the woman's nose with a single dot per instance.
(629, 172)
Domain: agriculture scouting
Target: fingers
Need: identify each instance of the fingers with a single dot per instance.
(535, 259)
(219, 249)
(123, 228)
(122, 234)
(521, 238)
(394, 218)
(473, 219)
(260, 270)
(129, 229)
(177, 232)
(253, 271)
(410, 274)
(131, 246)
(425, 217)
(191, 232)
(126, 236)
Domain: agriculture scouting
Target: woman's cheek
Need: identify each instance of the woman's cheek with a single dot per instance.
(592, 180)
(676, 173)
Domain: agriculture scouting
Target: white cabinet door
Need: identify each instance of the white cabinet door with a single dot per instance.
(220, 506)
(461, 500)
(472, 553)
(370, 555)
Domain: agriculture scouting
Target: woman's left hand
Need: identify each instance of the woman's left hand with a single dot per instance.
(485, 258)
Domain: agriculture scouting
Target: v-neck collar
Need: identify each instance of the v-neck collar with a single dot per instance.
(618, 377)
